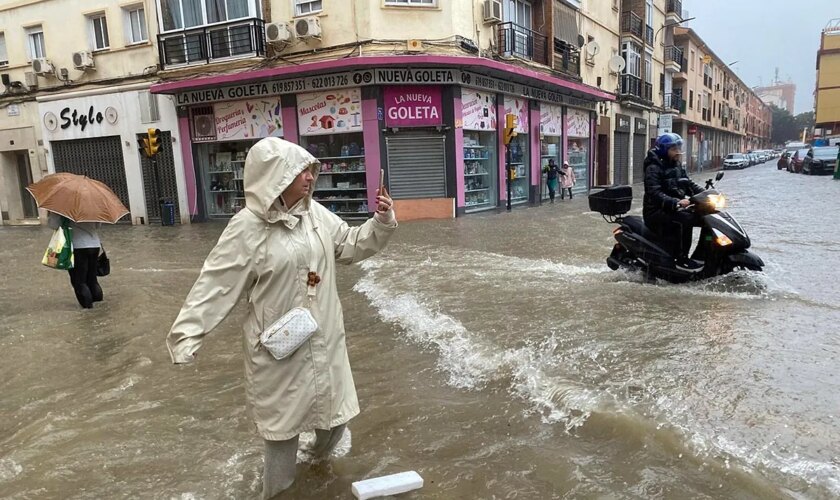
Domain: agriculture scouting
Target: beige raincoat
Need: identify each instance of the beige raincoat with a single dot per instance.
(266, 251)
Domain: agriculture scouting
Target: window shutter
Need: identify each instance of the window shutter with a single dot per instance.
(565, 24)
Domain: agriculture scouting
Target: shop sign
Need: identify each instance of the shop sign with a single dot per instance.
(551, 120)
(666, 122)
(248, 119)
(641, 125)
(436, 76)
(622, 123)
(72, 117)
(498, 85)
(334, 112)
(692, 129)
(577, 123)
(518, 107)
(478, 110)
(413, 106)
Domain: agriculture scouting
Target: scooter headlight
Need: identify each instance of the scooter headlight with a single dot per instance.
(722, 239)
(718, 201)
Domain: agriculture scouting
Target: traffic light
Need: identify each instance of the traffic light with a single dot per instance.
(154, 142)
(510, 127)
(143, 143)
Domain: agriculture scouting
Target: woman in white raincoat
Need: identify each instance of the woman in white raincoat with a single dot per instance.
(266, 251)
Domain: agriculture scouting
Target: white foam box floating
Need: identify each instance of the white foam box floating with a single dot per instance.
(387, 485)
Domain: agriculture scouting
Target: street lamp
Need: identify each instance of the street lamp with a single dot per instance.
(670, 25)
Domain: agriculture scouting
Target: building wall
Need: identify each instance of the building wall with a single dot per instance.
(67, 30)
(828, 80)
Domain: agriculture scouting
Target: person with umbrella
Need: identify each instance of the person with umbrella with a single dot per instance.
(83, 204)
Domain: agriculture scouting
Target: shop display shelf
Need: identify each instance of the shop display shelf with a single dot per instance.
(343, 173)
(221, 172)
(477, 190)
(475, 147)
(475, 175)
(331, 158)
(521, 198)
(340, 200)
(471, 159)
(548, 156)
(318, 190)
(225, 191)
(516, 163)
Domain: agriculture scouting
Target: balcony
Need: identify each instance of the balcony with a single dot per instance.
(518, 41)
(566, 59)
(631, 23)
(206, 44)
(674, 59)
(674, 103)
(632, 88)
(673, 12)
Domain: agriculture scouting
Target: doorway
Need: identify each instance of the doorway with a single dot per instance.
(30, 209)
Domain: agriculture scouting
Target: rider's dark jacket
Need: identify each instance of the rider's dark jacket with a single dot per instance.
(663, 188)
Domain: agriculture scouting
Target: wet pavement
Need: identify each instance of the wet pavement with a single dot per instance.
(495, 354)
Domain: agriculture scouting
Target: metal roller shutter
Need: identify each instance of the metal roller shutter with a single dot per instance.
(416, 166)
(639, 154)
(621, 158)
(99, 158)
(169, 186)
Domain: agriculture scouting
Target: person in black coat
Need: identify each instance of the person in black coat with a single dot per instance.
(666, 187)
(552, 171)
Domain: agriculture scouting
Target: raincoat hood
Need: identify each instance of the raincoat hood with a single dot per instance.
(271, 166)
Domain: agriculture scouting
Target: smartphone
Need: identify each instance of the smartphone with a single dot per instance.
(381, 181)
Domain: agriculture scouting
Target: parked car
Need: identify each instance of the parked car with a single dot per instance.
(820, 160)
(753, 158)
(796, 160)
(784, 160)
(735, 160)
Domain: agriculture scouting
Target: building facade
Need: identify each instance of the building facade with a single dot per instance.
(827, 103)
(780, 94)
(719, 114)
(75, 96)
(419, 89)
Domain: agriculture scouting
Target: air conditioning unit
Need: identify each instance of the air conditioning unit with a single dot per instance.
(492, 11)
(31, 80)
(83, 59)
(278, 33)
(308, 27)
(203, 123)
(42, 66)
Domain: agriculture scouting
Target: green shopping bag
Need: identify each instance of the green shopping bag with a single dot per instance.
(59, 254)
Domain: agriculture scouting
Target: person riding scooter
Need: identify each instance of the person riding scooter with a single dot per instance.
(666, 187)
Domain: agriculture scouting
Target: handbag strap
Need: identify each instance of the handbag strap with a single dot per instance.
(313, 278)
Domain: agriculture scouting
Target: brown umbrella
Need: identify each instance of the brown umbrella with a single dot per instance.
(77, 197)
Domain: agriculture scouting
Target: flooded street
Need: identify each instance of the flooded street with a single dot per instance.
(497, 355)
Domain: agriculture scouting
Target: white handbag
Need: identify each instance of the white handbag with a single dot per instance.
(285, 336)
(288, 333)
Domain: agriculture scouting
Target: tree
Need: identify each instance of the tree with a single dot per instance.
(803, 120)
(784, 126)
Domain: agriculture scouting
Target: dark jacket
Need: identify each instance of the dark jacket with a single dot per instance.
(663, 189)
(552, 171)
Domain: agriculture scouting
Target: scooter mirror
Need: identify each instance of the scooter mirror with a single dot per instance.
(719, 176)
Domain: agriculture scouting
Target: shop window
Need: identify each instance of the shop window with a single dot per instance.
(134, 20)
(480, 159)
(35, 42)
(342, 183)
(224, 176)
(306, 7)
(4, 58)
(99, 32)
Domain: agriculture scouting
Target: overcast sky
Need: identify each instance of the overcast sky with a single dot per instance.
(764, 34)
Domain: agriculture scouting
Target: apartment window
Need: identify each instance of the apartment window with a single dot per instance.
(303, 7)
(4, 58)
(518, 12)
(35, 42)
(180, 14)
(690, 99)
(650, 12)
(135, 24)
(99, 32)
(691, 59)
(421, 3)
(632, 55)
(648, 68)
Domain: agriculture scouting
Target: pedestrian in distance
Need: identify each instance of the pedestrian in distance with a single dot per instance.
(86, 248)
(276, 251)
(552, 172)
(568, 180)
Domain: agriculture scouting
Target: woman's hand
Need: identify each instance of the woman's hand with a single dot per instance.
(383, 201)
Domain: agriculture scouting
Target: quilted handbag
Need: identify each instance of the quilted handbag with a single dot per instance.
(288, 333)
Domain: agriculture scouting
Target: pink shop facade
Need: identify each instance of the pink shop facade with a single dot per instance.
(434, 126)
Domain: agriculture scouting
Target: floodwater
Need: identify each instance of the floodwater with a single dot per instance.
(494, 354)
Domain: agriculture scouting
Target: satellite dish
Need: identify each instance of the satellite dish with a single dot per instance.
(581, 41)
(592, 48)
(616, 64)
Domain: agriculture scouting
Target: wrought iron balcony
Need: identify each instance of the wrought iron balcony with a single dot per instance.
(519, 41)
(674, 6)
(674, 101)
(675, 54)
(566, 58)
(631, 23)
(240, 38)
(633, 88)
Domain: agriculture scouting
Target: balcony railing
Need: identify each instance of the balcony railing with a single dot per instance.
(675, 6)
(631, 23)
(519, 41)
(633, 86)
(674, 53)
(243, 37)
(649, 35)
(566, 58)
(674, 101)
